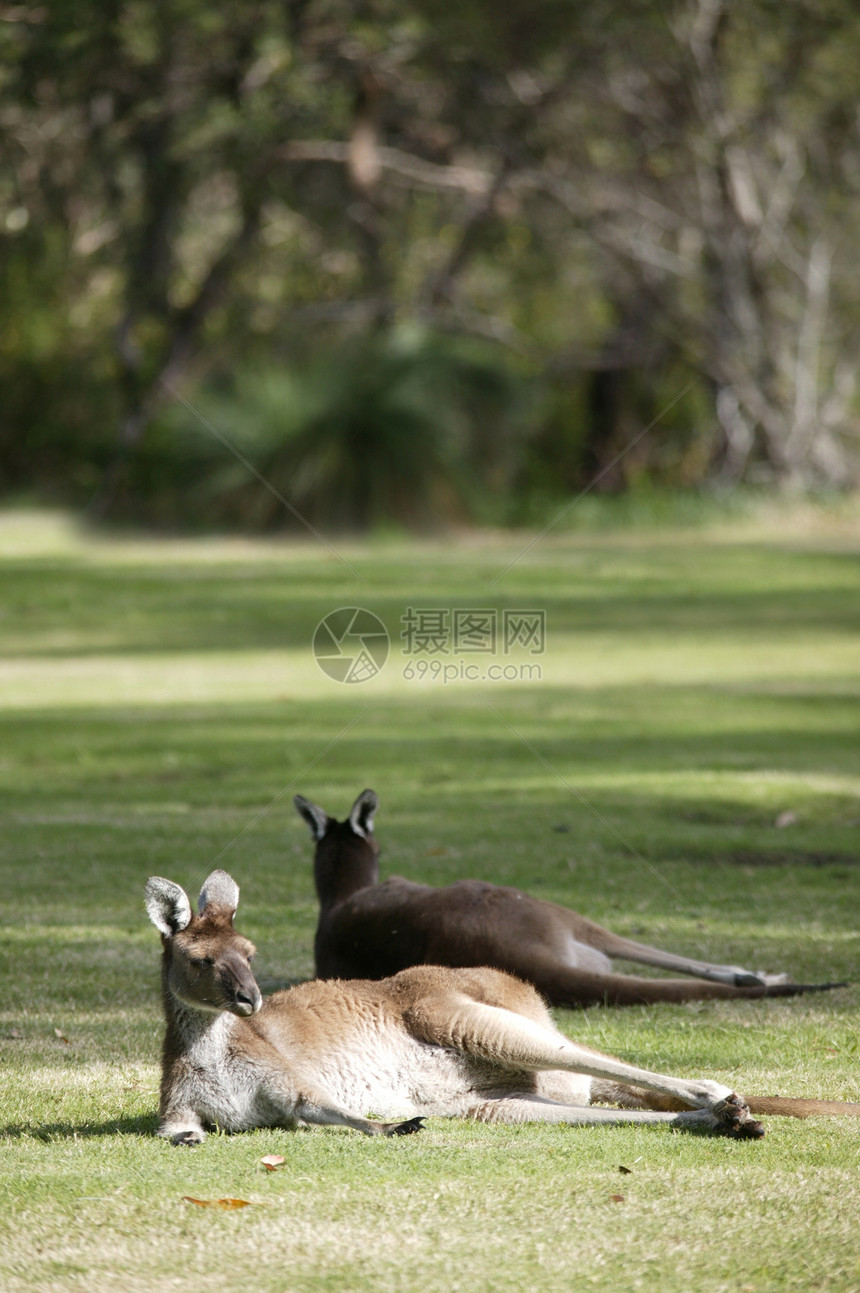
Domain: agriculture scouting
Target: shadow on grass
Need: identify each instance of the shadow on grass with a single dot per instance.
(144, 1125)
(147, 1125)
(49, 1132)
(238, 606)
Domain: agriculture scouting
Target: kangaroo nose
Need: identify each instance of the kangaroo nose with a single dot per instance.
(248, 1001)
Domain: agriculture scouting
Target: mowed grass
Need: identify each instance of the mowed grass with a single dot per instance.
(161, 705)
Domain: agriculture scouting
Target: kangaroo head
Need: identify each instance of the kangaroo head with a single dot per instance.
(346, 852)
(208, 963)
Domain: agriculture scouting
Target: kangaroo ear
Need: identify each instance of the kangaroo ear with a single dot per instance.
(363, 811)
(219, 888)
(316, 817)
(167, 905)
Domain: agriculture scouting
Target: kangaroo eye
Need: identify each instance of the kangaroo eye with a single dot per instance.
(200, 962)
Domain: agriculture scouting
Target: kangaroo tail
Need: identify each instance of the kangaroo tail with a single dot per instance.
(566, 986)
(798, 1107)
(795, 989)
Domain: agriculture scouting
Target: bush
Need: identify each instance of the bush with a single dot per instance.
(403, 428)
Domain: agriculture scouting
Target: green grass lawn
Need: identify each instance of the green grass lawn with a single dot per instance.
(161, 705)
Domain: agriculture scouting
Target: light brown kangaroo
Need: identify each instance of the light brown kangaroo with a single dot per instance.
(429, 1041)
(370, 930)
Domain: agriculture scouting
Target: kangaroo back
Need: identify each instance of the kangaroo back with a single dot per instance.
(374, 930)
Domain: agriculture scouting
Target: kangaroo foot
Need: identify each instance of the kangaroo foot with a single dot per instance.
(407, 1128)
(733, 1118)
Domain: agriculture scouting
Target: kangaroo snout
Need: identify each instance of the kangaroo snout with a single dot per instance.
(241, 994)
(247, 1001)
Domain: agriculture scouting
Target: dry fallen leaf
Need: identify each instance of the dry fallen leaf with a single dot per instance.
(60, 1035)
(617, 1198)
(217, 1203)
(625, 1171)
(272, 1162)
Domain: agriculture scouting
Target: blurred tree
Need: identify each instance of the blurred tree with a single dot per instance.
(621, 201)
(384, 429)
(722, 197)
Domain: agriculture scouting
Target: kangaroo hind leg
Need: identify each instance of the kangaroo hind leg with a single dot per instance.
(625, 949)
(516, 1043)
(526, 1107)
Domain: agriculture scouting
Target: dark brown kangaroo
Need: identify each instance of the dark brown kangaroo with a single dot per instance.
(369, 930)
(428, 1041)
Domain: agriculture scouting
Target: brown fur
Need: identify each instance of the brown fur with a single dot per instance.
(430, 1040)
(368, 929)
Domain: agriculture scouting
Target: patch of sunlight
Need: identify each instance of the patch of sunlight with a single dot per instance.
(85, 682)
(689, 782)
(36, 533)
(105, 816)
(783, 933)
(684, 659)
(84, 1076)
(175, 678)
(72, 934)
(814, 780)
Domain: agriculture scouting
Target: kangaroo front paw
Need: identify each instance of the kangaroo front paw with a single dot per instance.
(407, 1128)
(182, 1135)
(190, 1137)
(733, 1118)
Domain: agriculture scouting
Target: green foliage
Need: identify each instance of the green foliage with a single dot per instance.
(403, 428)
(633, 197)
